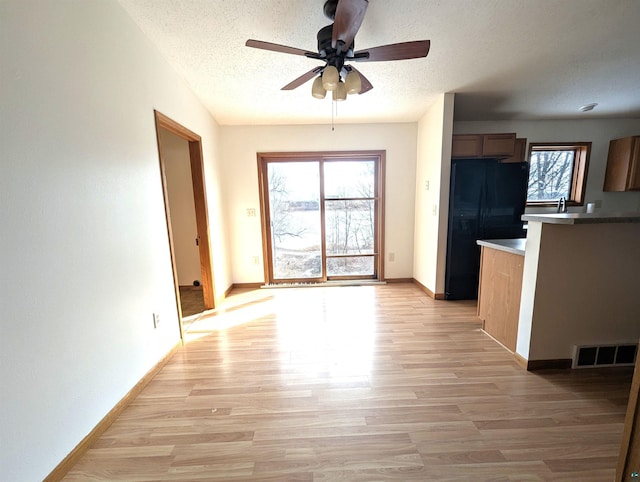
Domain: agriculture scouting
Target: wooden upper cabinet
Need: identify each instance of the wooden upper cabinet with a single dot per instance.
(623, 165)
(466, 146)
(498, 145)
(483, 145)
(519, 152)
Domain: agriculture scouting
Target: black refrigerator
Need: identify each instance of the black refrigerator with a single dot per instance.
(486, 201)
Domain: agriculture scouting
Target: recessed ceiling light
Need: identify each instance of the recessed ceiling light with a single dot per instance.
(588, 107)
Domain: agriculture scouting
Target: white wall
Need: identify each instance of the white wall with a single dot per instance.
(175, 153)
(239, 148)
(433, 170)
(597, 131)
(83, 243)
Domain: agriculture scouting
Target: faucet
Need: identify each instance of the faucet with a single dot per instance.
(562, 205)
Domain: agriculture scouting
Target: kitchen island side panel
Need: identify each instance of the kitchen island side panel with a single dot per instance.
(586, 288)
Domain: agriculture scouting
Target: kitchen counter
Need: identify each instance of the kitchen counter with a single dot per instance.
(583, 218)
(514, 246)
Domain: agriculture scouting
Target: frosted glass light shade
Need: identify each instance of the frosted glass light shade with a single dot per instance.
(330, 78)
(340, 93)
(353, 83)
(317, 90)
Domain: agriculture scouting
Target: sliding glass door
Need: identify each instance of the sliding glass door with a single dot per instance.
(350, 224)
(295, 220)
(321, 216)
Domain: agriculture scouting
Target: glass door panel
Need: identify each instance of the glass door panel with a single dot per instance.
(295, 220)
(349, 179)
(350, 266)
(349, 202)
(349, 227)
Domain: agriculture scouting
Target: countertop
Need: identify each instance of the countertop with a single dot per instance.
(583, 218)
(514, 246)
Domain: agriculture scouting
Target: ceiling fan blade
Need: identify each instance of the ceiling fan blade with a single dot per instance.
(259, 44)
(400, 51)
(302, 79)
(349, 17)
(366, 85)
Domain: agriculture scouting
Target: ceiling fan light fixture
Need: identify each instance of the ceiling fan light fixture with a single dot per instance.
(340, 93)
(353, 83)
(330, 78)
(317, 90)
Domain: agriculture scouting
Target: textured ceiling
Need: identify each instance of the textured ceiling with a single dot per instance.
(504, 59)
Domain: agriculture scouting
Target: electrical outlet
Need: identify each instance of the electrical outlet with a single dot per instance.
(156, 320)
(256, 260)
(392, 257)
(426, 185)
(251, 212)
(435, 210)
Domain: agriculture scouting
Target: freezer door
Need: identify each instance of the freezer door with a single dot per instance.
(504, 200)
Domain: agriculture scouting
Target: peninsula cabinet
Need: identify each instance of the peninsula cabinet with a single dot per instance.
(500, 288)
(623, 165)
(469, 146)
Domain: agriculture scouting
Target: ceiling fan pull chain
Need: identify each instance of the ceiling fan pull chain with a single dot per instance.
(334, 107)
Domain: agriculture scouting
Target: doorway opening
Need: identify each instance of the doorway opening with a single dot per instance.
(322, 216)
(182, 173)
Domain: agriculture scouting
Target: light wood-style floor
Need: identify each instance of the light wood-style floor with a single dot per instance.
(359, 383)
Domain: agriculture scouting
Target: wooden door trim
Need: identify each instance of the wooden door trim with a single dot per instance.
(631, 433)
(201, 211)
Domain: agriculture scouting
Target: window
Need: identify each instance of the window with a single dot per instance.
(557, 170)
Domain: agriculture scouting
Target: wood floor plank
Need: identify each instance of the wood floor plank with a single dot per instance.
(359, 384)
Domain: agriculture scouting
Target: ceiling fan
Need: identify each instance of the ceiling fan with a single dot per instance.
(336, 48)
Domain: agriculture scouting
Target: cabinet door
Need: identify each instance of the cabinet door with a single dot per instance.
(623, 165)
(499, 290)
(466, 146)
(519, 152)
(498, 145)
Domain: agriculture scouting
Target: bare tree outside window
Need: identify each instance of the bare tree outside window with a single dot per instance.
(281, 222)
(550, 175)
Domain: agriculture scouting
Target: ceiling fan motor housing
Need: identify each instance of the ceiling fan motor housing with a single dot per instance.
(330, 9)
(329, 53)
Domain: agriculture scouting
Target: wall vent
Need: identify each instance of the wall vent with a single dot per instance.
(596, 356)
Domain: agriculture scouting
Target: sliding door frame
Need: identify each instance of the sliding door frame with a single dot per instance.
(265, 158)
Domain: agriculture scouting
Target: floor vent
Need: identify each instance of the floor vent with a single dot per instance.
(596, 356)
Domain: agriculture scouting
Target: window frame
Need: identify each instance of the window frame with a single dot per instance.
(580, 168)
